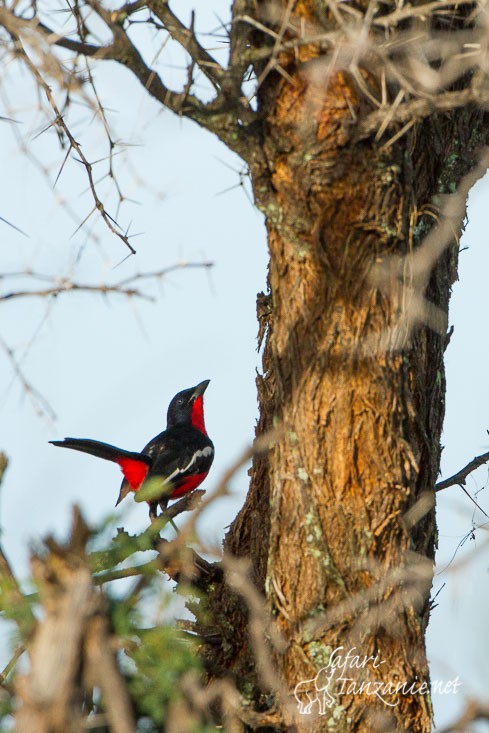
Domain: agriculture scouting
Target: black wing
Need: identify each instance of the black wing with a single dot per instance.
(179, 452)
(174, 455)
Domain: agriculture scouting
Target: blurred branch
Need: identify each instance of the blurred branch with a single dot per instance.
(103, 673)
(131, 572)
(3, 465)
(186, 566)
(40, 403)
(234, 708)
(261, 624)
(260, 445)
(390, 589)
(474, 711)
(417, 109)
(10, 667)
(423, 10)
(73, 635)
(177, 559)
(405, 278)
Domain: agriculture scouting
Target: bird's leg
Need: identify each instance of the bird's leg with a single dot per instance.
(164, 506)
(174, 526)
(163, 503)
(153, 510)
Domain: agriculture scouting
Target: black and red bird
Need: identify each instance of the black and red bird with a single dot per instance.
(176, 461)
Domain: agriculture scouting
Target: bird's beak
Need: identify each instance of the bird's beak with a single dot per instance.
(200, 389)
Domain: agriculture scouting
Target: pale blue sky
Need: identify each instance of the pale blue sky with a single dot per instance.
(109, 366)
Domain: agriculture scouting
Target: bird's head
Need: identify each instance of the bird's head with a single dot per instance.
(187, 407)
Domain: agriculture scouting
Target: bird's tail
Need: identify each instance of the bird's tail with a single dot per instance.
(134, 466)
(101, 450)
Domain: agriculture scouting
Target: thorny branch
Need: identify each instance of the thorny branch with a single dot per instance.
(188, 40)
(60, 123)
(425, 66)
(125, 286)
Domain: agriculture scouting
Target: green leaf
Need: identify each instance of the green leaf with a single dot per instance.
(152, 490)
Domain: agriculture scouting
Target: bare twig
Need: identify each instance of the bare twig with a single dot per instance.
(187, 39)
(61, 124)
(61, 286)
(460, 477)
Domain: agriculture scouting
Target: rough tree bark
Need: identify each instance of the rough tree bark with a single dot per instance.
(356, 379)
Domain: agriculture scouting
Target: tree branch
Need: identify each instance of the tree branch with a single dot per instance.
(188, 41)
(60, 123)
(65, 285)
(460, 477)
(79, 47)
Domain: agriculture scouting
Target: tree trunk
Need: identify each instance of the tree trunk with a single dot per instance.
(339, 520)
(338, 526)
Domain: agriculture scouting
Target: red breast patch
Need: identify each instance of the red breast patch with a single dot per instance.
(189, 484)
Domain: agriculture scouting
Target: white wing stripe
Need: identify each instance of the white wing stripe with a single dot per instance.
(207, 451)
